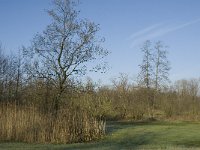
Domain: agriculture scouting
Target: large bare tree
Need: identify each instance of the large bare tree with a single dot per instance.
(65, 47)
(161, 65)
(146, 67)
(154, 71)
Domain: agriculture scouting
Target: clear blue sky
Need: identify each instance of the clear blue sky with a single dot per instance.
(125, 24)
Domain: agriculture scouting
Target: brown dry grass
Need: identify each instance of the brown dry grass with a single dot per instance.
(28, 124)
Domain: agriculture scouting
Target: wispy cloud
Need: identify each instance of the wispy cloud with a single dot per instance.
(157, 30)
(145, 31)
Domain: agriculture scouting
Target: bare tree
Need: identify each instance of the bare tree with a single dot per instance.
(146, 72)
(161, 65)
(65, 47)
(154, 71)
(3, 64)
(18, 76)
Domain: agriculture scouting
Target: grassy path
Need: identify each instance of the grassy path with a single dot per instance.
(156, 135)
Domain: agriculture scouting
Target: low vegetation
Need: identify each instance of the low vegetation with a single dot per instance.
(134, 135)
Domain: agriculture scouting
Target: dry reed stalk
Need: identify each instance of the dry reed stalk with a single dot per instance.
(28, 124)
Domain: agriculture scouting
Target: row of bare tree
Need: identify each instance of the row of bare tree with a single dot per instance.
(125, 100)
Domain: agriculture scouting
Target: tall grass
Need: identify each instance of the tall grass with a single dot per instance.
(29, 124)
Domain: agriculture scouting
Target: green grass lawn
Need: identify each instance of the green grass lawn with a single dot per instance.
(123, 135)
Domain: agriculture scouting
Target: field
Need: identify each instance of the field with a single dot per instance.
(133, 135)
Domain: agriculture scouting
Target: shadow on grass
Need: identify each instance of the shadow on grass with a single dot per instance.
(114, 126)
(115, 144)
(123, 141)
